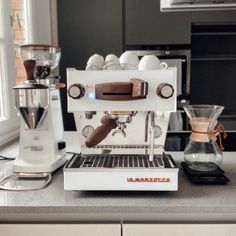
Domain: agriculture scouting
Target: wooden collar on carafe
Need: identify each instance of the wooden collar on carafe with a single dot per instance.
(213, 133)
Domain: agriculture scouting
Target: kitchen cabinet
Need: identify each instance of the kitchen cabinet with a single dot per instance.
(179, 229)
(86, 27)
(117, 230)
(145, 24)
(214, 17)
(60, 229)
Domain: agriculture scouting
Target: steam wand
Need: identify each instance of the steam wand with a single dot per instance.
(152, 136)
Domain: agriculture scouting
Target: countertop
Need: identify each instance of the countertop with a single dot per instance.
(189, 203)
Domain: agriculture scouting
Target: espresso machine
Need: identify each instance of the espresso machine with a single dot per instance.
(121, 118)
(41, 146)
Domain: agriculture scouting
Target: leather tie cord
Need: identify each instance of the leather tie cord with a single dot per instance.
(215, 133)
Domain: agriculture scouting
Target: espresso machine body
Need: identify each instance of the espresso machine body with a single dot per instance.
(130, 156)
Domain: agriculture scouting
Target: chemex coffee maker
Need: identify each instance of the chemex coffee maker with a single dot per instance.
(122, 116)
(41, 147)
(203, 155)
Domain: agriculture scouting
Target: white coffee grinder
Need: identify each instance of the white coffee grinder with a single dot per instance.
(41, 147)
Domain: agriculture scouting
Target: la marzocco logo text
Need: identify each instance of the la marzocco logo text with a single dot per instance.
(148, 180)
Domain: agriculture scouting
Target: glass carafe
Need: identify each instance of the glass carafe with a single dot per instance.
(202, 153)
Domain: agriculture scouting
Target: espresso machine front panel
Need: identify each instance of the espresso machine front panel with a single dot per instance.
(114, 90)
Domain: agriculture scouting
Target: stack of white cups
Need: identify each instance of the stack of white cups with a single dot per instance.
(127, 61)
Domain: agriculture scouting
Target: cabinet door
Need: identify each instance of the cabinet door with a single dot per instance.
(60, 229)
(179, 229)
(146, 25)
(214, 17)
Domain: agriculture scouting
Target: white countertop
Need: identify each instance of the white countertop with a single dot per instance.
(189, 203)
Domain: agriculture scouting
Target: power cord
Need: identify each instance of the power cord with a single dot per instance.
(2, 158)
(72, 153)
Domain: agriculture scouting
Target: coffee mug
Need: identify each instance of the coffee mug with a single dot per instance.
(151, 62)
(112, 63)
(129, 61)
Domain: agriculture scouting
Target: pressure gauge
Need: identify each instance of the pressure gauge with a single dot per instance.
(157, 131)
(87, 130)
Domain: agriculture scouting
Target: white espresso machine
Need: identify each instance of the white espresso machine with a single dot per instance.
(41, 146)
(122, 119)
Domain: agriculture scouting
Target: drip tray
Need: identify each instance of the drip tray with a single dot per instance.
(121, 173)
(120, 161)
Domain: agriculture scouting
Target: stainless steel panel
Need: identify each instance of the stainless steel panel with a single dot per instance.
(32, 105)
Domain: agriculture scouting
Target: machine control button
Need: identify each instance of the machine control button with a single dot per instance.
(89, 114)
(165, 90)
(76, 91)
(61, 145)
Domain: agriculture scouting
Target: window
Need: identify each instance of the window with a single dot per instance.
(19, 31)
(21, 21)
(9, 123)
(2, 102)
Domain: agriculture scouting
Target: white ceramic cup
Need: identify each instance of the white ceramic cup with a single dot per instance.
(95, 62)
(151, 62)
(112, 63)
(129, 61)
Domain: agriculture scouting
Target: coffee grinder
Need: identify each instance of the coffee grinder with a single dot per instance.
(41, 147)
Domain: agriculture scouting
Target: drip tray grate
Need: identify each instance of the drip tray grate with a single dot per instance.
(120, 161)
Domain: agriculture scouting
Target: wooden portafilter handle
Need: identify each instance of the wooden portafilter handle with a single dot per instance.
(30, 66)
(101, 132)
